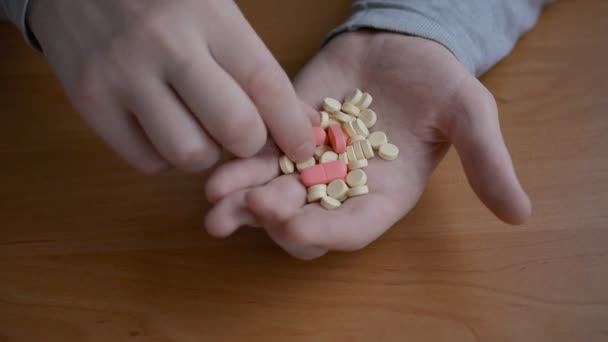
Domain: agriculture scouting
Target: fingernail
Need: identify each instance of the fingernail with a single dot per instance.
(304, 152)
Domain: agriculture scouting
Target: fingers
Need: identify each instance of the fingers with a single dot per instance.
(220, 104)
(478, 139)
(242, 174)
(175, 133)
(228, 215)
(263, 79)
(121, 131)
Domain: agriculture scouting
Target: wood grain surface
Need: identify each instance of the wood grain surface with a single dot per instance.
(93, 251)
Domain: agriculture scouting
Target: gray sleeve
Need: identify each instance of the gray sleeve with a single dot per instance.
(478, 32)
(16, 11)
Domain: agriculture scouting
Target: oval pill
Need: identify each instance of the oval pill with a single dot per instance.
(324, 119)
(320, 150)
(360, 128)
(315, 196)
(358, 150)
(317, 188)
(338, 190)
(342, 117)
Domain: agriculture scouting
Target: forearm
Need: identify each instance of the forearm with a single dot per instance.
(478, 32)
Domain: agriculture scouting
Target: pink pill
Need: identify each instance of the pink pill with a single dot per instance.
(323, 173)
(320, 135)
(337, 138)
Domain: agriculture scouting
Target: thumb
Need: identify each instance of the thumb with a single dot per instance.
(476, 135)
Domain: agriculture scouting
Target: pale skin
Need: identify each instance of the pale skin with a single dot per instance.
(426, 101)
(165, 82)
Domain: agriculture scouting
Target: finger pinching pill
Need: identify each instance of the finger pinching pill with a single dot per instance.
(306, 164)
(355, 97)
(388, 152)
(328, 156)
(323, 173)
(286, 165)
(337, 138)
(320, 135)
(338, 190)
(369, 117)
(356, 178)
(378, 139)
(358, 191)
(331, 105)
(330, 203)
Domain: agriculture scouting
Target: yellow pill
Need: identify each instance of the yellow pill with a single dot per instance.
(330, 203)
(338, 190)
(315, 196)
(366, 101)
(357, 164)
(358, 191)
(368, 151)
(369, 117)
(286, 165)
(355, 97)
(342, 117)
(350, 153)
(388, 152)
(320, 150)
(360, 128)
(304, 165)
(328, 157)
(356, 178)
(324, 119)
(318, 188)
(331, 105)
(351, 109)
(378, 139)
(358, 150)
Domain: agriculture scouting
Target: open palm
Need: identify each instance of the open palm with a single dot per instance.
(425, 101)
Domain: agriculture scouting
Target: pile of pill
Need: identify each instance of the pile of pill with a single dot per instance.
(335, 173)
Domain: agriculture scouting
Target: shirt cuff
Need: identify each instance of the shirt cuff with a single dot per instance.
(398, 17)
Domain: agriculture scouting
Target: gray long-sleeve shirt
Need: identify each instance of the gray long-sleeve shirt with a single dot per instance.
(478, 32)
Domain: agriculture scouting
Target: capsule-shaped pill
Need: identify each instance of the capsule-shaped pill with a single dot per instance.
(323, 173)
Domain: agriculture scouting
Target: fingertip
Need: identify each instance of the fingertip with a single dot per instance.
(521, 211)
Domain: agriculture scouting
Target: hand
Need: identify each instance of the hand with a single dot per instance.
(169, 82)
(425, 101)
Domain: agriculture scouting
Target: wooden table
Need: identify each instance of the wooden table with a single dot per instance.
(93, 251)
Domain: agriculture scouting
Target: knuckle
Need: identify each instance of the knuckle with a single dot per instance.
(299, 235)
(191, 157)
(265, 82)
(232, 134)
